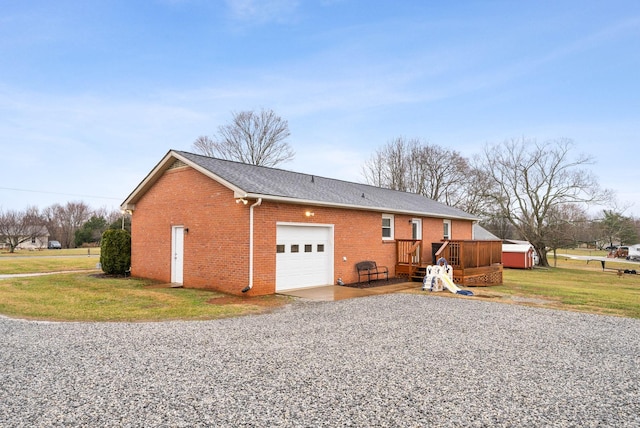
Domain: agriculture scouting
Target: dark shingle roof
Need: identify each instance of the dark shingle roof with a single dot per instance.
(258, 181)
(482, 234)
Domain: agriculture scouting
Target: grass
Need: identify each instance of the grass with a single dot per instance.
(48, 260)
(46, 264)
(572, 285)
(84, 297)
(45, 252)
(577, 289)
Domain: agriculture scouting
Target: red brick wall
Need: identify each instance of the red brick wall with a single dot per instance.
(433, 233)
(357, 236)
(216, 246)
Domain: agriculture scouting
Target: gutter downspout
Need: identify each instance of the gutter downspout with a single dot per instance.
(257, 204)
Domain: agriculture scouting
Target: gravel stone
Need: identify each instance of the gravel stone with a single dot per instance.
(389, 360)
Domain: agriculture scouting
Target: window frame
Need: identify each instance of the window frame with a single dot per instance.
(391, 227)
(447, 223)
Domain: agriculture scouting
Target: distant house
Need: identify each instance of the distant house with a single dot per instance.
(35, 238)
(207, 222)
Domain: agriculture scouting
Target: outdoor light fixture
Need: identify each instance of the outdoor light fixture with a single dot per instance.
(243, 200)
(309, 213)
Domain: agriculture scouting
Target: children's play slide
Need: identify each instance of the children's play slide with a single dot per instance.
(441, 276)
(449, 285)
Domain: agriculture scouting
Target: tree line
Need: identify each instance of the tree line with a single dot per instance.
(74, 224)
(520, 188)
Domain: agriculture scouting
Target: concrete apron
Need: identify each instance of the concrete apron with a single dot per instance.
(339, 292)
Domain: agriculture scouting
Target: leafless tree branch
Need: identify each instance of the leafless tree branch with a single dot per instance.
(253, 138)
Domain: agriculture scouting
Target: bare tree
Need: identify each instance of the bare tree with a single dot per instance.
(530, 180)
(441, 174)
(473, 197)
(563, 226)
(63, 221)
(17, 227)
(389, 166)
(500, 227)
(411, 165)
(253, 138)
(205, 145)
(374, 170)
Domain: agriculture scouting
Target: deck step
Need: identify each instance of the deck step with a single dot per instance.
(419, 274)
(416, 276)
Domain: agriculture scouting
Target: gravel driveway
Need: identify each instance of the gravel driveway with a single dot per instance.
(390, 360)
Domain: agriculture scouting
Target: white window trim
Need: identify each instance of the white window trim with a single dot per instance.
(391, 226)
(447, 222)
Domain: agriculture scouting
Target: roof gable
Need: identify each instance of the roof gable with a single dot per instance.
(482, 234)
(251, 181)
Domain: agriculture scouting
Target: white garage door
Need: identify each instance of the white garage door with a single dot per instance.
(304, 256)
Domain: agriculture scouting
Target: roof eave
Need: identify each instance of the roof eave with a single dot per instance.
(166, 162)
(316, 203)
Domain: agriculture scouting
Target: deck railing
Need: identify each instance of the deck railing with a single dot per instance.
(409, 254)
(458, 253)
(474, 262)
(471, 254)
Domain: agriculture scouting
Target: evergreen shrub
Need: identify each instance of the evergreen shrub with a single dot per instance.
(115, 252)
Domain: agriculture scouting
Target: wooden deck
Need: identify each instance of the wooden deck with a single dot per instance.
(475, 263)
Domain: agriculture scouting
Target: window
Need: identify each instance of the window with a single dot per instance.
(320, 248)
(295, 248)
(387, 226)
(308, 248)
(280, 248)
(446, 229)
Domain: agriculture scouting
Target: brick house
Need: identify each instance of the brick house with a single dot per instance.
(210, 223)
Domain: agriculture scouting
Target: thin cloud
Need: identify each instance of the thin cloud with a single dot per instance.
(262, 11)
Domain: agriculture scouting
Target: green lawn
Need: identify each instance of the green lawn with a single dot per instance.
(84, 297)
(573, 285)
(40, 253)
(47, 264)
(48, 260)
(576, 289)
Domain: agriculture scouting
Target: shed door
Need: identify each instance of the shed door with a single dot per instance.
(304, 256)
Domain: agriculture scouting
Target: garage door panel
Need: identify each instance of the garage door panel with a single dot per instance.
(306, 259)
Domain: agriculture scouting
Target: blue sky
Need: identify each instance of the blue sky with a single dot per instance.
(94, 93)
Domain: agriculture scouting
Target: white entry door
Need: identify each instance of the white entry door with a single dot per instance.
(416, 233)
(304, 256)
(177, 254)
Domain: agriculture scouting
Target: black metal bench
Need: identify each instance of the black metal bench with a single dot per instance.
(371, 270)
